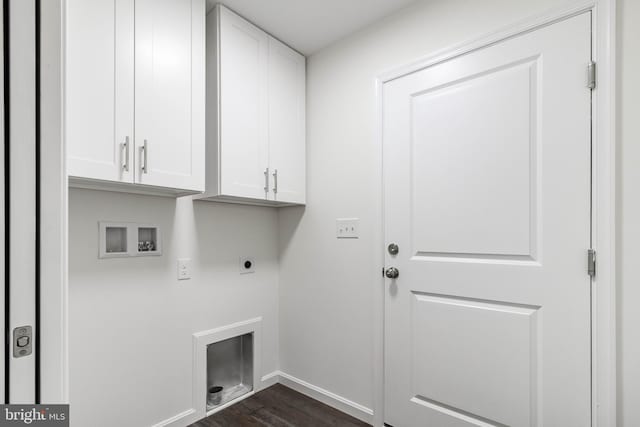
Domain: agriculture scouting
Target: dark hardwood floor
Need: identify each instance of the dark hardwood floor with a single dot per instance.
(279, 406)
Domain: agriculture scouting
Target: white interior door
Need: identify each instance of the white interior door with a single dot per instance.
(20, 208)
(487, 194)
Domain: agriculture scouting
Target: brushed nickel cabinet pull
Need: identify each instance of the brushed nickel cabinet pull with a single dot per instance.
(125, 163)
(145, 151)
(275, 181)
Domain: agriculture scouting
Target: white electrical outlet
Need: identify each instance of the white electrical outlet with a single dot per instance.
(247, 265)
(347, 228)
(184, 268)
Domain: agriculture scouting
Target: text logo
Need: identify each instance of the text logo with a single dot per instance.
(34, 415)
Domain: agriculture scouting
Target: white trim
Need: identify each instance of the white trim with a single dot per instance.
(603, 226)
(269, 380)
(378, 260)
(200, 342)
(182, 419)
(54, 194)
(604, 381)
(229, 403)
(328, 398)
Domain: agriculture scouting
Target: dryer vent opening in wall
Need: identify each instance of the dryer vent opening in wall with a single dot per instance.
(229, 370)
(229, 357)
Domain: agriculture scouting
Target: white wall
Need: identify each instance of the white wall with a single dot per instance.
(130, 319)
(327, 285)
(629, 213)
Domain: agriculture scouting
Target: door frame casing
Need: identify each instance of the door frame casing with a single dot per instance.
(54, 289)
(603, 186)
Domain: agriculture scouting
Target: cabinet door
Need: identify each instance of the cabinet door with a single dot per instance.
(99, 88)
(170, 93)
(286, 123)
(243, 107)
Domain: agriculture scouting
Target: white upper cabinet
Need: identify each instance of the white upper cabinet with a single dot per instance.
(286, 123)
(243, 106)
(136, 94)
(255, 114)
(99, 89)
(169, 93)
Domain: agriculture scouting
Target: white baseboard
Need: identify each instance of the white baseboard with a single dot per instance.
(335, 401)
(338, 402)
(270, 379)
(230, 403)
(182, 419)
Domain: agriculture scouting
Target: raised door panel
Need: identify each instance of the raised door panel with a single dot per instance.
(286, 123)
(485, 203)
(99, 89)
(243, 132)
(170, 93)
(498, 382)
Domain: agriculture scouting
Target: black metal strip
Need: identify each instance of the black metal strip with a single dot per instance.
(38, 235)
(7, 199)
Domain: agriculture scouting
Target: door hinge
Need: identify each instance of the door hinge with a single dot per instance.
(591, 262)
(591, 75)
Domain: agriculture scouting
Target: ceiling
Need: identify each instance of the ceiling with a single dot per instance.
(310, 25)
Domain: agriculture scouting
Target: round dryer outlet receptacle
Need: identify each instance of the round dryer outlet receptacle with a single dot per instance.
(247, 265)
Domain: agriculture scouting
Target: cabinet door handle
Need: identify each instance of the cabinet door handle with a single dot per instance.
(145, 150)
(266, 180)
(275, 181)
(125, 163)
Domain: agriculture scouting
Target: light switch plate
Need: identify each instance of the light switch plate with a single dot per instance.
(348, 228)
(184, 268)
